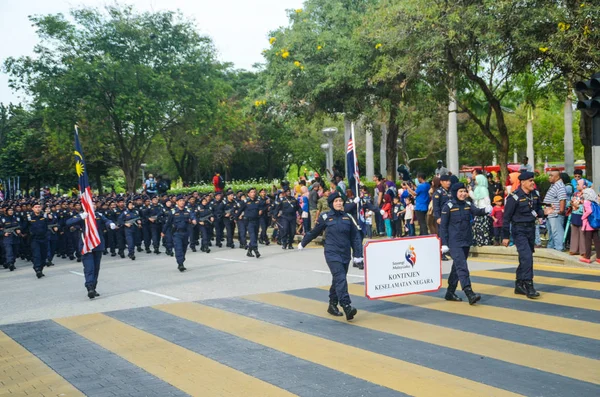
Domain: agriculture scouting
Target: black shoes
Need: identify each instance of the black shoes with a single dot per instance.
(525, 287)
(350, 312)
(333, 309)
(139, 249)
(193, 248)
(256, 253)
(39, 274)
(113, 254)
(181, 268)
(91, 293)
(148, 251)
(48, 264)
(451, 296)
(11, 267)
(122, 255)
(472, 296)
(250, 254)
(156, 251)
(131, 256)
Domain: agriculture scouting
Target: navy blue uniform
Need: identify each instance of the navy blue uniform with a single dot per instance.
(520, 213)
(456, 233)
(218, 211)
(253, 212)
(130, 231)
(205, 219)
(153, 228)
(228, 220)
(37, 228)
(91, 260)
(264, 220)
(168, 238)
(10, 242)
(342, 235)
(179, 221)
(287, 210)
(242, 222)
(440, 197)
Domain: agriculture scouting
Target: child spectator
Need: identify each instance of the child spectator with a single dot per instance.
(409, 212)
(397, 212)
(497, 216)
(369, 223)
(387, 214)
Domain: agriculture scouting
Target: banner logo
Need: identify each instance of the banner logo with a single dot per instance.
(411, 256)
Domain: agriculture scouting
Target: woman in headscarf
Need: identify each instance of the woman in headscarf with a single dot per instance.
(589, 233)
(432, 225)
(481, 199)
(577, 242)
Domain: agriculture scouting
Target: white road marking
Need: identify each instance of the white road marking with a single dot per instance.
(161, 295)
(348, 275)
(230, 260)
(77, 273)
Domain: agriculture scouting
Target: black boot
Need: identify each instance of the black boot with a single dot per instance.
(472, 296)
(181, 268)
(131, 256)
(520, 287)
(78, 259)
(333, 309)
(256, 253)
(91, 293)
(148, 251)
(451, 295)
(139, 249)
(193, 248)
(49, 263)
(39, 274)
(156, 251)
(113, 254)
(122, 254)
(350, 312)
(267, 242)
(250, 254)
(526, 288)
(11, 267)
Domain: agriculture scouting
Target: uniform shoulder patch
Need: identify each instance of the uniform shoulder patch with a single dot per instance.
(450, 205)
(324, 216)
(514, 196)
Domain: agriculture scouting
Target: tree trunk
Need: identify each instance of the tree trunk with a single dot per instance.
(383, 150)
(391, 145)
(568, 142)
(370, 162)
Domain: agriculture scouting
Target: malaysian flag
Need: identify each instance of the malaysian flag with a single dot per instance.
(352, 171)
(91, 237)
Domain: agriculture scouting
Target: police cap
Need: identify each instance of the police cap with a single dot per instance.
(180, 197)
(332, 197)
(445, 177)
(526, 176)
(457, 186)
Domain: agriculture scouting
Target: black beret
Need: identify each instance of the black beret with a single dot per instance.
(120, 199)
(219, 193)
(180, 197)
(526, 175)
(332, 197)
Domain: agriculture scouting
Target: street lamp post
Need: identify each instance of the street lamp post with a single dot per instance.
(143, 166)
(329, 134)
(325, 147)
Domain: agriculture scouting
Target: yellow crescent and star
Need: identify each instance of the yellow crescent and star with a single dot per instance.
(79, 167)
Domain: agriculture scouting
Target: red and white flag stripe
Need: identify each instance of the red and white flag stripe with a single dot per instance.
(91, 238)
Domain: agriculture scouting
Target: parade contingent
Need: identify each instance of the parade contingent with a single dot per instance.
(41, 230)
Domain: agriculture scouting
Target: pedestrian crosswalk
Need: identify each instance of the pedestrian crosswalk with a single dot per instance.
(285, 343)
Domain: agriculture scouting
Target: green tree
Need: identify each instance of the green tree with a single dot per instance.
(132, 76)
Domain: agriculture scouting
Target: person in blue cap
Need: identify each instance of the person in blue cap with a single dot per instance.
(522, 208)
(343, 234)
(457, 235)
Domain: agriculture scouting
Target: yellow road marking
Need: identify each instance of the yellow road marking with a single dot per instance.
(549, 268)
(546, 322)
(576, 367)
(376, 368)
(545, 297)
(22, 373)
(561, 282)
(182, 368)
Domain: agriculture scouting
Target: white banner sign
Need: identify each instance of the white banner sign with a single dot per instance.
(402, 266)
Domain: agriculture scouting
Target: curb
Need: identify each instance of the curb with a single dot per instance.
(542, 255)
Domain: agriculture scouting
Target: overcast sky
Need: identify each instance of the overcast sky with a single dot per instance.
(238, 28)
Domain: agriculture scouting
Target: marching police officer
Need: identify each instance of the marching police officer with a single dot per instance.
(37, 228)
(230, 207)
(342, 235)
(264, 218)
(522, 208)
(91, 260)
(287, 210)
(218, 211)
(168, 233)
(205, 219)
(440, 198)
(179, 220)
(457, 235)
(11, 240)
(153, 214)
(130, 219)
(255, 207)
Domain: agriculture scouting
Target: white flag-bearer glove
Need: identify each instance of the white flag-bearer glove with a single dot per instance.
(488, 209)
(84, 215)
(358, 260)
(113, 226)
(300, 247)
(356, 200)
(445, 249)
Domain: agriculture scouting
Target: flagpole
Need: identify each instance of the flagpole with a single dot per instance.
(356, 181)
